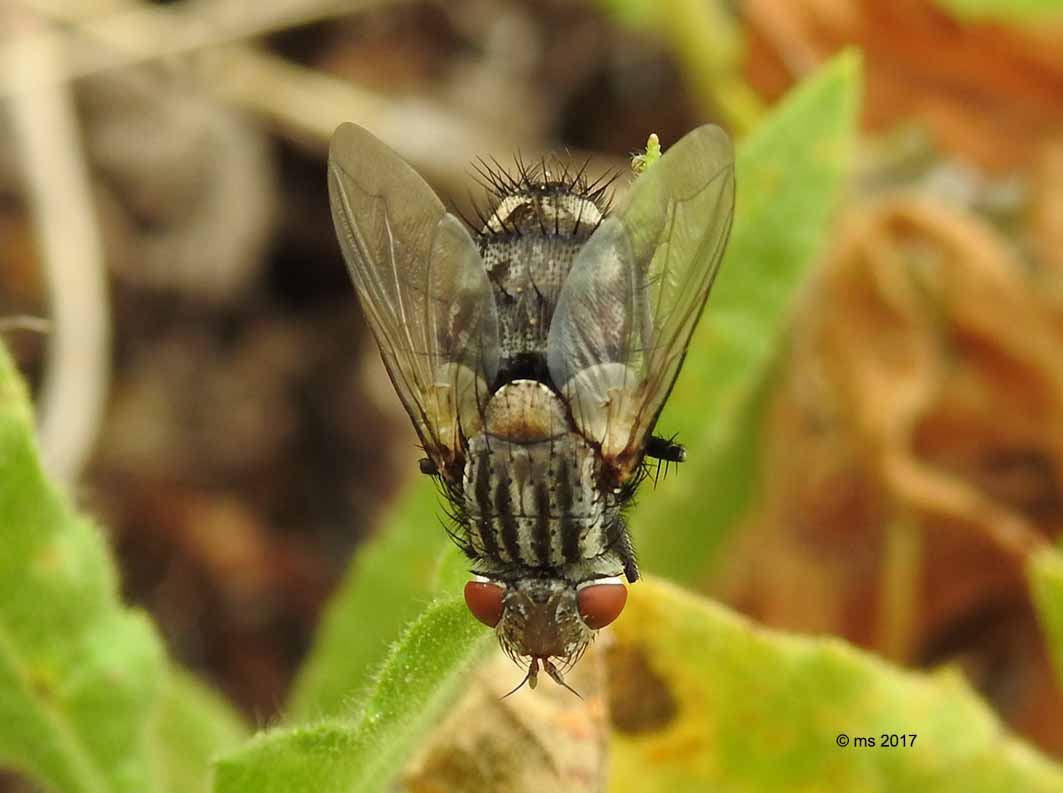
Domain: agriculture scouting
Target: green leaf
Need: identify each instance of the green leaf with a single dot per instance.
(1045, 572)
(1015, 12)
(387, 585)
(790, 172)
(192, 726)
(79, 674)
(420, 676)
(705, 700)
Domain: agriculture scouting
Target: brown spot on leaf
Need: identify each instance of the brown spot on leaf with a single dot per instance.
(640, 700)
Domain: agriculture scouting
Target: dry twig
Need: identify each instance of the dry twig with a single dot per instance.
(46, 137)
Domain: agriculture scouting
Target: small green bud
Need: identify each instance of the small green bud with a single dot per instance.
(643, 160)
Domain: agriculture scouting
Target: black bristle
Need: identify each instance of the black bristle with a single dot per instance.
(468, 221)
(578, 178)
(479, 211)
(545, 177)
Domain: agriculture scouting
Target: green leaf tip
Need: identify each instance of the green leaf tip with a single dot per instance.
(192, 726)
(385, 587)
(421, 674)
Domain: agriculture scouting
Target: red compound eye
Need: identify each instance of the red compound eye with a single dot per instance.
(484, 599)
(601, 602)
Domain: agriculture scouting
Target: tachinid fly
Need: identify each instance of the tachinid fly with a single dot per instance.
(534, 356)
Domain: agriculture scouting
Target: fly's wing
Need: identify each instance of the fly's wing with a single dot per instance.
(422, 286)
(636, 291)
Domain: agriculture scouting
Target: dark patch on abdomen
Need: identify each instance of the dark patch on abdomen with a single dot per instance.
(570, 528)
(483, 501)
(504, 513)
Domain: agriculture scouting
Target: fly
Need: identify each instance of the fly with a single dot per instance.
(534, 356)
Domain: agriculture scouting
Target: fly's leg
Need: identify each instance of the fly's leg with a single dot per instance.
(622, 543)
(666, 449)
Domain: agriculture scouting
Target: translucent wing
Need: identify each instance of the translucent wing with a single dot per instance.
(636, 291)
(422, 285)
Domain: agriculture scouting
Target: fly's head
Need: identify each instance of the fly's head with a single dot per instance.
(545, 622)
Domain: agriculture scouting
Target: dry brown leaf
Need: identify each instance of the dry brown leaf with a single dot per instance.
(923, 390)
(532, 741)
(988, 92)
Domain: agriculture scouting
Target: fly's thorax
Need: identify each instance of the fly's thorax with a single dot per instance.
(528, 246)
(534, 494)
(547, 208)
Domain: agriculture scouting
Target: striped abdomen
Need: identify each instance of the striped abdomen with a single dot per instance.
(531, 484)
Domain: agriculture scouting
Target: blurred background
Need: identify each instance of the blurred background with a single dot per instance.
(171, 286)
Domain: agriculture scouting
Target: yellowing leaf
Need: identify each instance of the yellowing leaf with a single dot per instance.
(703, 700)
